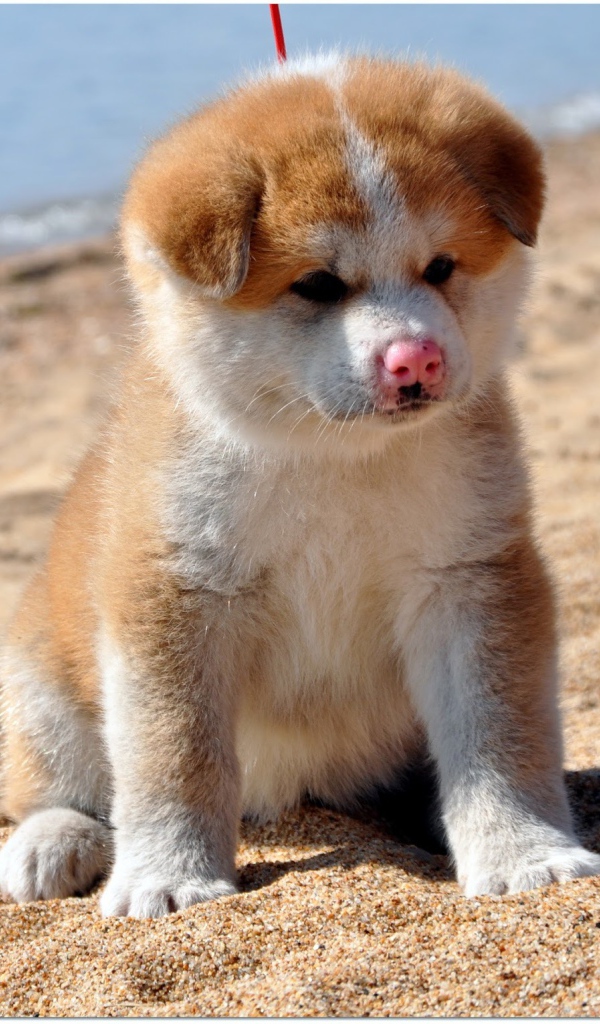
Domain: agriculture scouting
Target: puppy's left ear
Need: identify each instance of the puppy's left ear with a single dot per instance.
(191, 206)
(504, 163)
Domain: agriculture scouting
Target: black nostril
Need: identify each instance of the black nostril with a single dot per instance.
(411, 390)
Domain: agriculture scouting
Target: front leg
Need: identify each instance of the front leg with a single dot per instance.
(169, 713)
(480, 662)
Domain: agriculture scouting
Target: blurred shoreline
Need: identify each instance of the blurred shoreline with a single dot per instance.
(53, 223)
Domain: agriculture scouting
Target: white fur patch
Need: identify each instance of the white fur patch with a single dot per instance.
(117, 724)
(329, 66)
(374, 182)
(62, 732)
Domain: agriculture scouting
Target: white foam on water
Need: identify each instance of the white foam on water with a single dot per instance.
(57, 222)
(572, 117)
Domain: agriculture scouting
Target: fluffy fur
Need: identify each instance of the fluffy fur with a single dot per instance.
(266, 581)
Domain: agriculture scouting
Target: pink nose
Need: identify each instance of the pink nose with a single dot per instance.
(413, 362)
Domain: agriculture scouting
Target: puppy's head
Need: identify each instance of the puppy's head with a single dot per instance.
(336, 250)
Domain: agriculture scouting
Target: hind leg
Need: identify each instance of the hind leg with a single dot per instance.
(55, 784)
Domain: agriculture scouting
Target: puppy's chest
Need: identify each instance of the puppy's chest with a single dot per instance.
(320, 560)
(317, 539)
(320, 529)
(332, 594)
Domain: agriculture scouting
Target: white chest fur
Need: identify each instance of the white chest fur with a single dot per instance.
(349, 550)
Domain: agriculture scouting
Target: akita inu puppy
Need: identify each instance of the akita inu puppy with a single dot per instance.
(301, 550)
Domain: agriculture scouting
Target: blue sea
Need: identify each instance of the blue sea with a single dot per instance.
(83, 88)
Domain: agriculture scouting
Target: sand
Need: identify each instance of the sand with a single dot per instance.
(335, 917)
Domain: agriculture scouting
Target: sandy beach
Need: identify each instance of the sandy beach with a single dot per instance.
(335, 917)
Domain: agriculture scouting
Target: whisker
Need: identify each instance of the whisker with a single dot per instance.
(361, 414)
(299, 398)
(299, 421)
(261, 393)
(329, 418)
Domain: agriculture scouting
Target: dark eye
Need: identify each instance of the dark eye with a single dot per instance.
(320, 287)
(439, 270)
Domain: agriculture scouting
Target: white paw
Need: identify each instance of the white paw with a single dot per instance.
(54, 854)
(528, 871)
(129, 895)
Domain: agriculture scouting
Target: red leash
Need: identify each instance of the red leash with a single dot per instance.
(278, 32)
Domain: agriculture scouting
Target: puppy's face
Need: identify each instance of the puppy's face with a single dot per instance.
(335, 251)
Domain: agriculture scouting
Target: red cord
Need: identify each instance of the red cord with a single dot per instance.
(278, 32)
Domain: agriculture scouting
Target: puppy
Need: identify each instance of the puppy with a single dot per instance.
(301, 550)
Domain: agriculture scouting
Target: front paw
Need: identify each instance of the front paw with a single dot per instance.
(154, 896)
(54, 854)
(133, 891)
(518, 871)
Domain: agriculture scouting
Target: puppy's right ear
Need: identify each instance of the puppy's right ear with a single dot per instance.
(193, 202)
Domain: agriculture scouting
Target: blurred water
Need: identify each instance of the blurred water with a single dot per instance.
(84, 87)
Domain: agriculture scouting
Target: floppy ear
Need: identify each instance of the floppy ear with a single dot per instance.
(503, 162)
(194, 201)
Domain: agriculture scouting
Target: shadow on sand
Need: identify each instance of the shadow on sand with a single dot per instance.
(399, 827)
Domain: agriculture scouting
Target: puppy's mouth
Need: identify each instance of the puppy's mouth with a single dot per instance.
(407, 409)
(410, 399)
(406, 404)
(413, 393)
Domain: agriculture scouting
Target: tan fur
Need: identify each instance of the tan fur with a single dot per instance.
(443, 142)
(260, 585)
